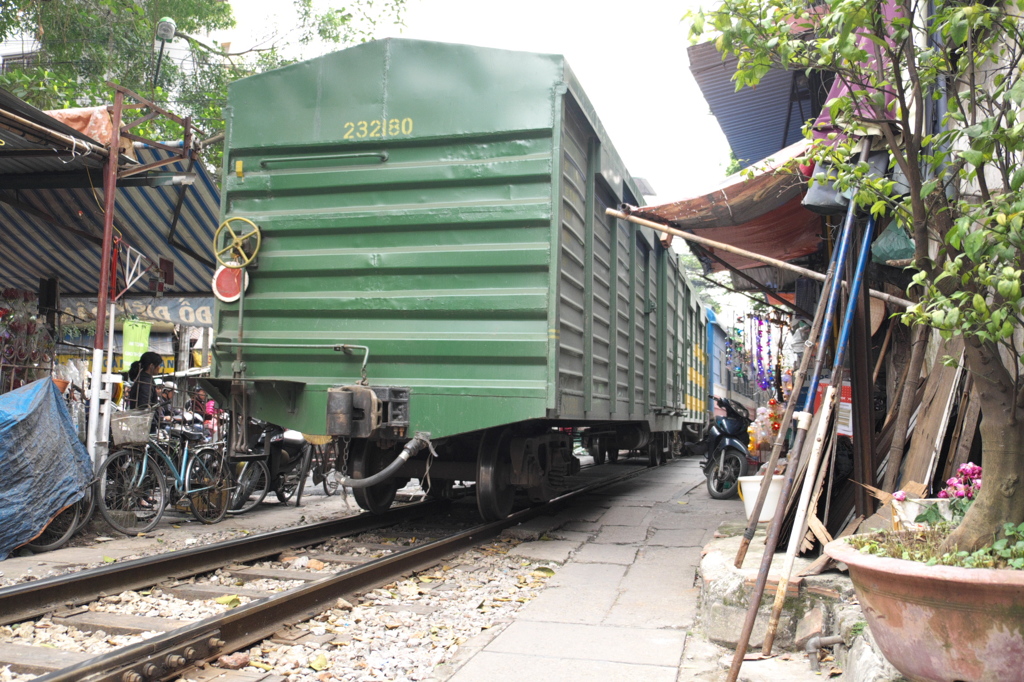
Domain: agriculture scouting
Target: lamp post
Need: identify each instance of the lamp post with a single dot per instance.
(165, 30)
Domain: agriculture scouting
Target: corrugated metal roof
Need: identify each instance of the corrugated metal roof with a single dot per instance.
(66, 246)
(753, 119)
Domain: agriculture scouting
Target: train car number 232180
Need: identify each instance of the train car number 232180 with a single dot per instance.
(387, 127)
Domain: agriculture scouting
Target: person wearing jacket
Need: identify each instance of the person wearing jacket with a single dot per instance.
(143, 391)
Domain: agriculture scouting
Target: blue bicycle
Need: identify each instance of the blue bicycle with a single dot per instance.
(171, 466)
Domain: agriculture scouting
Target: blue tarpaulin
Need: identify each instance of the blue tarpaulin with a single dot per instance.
(43, 466)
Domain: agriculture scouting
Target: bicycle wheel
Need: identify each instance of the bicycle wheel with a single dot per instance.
(88, 506)
(132, 491)
(324, 457)
(252, 486)
(59, 530)
(207, 485)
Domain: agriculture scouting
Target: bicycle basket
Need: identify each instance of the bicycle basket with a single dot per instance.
(131, 427)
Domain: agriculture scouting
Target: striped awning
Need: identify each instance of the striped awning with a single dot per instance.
(56, 232)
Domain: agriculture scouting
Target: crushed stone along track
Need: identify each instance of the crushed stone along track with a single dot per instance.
(271, 609)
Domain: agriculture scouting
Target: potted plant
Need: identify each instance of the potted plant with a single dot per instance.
(940, 86)
(949, 506)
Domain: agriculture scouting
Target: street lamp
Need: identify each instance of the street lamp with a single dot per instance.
(165, 30)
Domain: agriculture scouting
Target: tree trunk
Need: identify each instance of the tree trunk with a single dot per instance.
(1001, 499)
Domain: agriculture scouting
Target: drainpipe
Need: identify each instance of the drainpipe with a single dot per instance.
(817, 642)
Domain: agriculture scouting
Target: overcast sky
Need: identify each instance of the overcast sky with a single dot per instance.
(629, 56)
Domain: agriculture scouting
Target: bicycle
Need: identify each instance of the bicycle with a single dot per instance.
(134, 481)
(252, 483)
(60, 528)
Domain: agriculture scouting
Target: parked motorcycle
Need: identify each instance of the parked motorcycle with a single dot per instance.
(278, 461)
(724, 447)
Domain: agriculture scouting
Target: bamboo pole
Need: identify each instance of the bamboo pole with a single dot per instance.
(822, 318)
(728, 248)
(834, 388)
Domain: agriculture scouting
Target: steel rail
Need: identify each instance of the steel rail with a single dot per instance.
(26, 600)
(168, 656)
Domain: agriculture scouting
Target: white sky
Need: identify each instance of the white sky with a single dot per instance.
(629, 56)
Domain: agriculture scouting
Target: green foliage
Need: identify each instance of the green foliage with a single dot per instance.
(735, 165)
(923, 547)
(85, 43)
(963, 181)
(707, 287)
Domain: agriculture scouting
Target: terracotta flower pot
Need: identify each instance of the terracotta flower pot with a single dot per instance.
(940, 623)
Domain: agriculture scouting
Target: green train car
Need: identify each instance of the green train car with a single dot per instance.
(435, 273)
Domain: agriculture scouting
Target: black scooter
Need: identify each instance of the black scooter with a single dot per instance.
(287, 457)
(724, 447)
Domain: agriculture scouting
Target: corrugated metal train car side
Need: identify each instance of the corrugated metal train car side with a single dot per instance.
(442, 208)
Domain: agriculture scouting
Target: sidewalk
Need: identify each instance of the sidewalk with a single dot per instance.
(624, 606)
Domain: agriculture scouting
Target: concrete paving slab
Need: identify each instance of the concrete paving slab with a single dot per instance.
(625, 516)
(598, 576)
(621, 535)
(578, 593)
(497, 667)
(546, 550)
(570, 605)
(570, 535)
(581, 526)
(692, 537)
(645, 646)
(673, 566)
(661, 608)
(592, 553)
(682, 520)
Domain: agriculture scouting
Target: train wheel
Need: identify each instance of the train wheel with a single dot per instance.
(653, 448)
(495, 493)
(663, 446)
(597, 451)
(610, 452)
(366, 461)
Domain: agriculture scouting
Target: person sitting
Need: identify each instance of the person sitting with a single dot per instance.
(143, 391)
(165, 394)
(201, 403)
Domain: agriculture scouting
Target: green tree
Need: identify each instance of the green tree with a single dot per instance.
(904, 63)
(735, 165)
(85, 43)
(709, 289)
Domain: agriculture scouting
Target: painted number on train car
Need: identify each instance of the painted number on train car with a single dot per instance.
(385, 127)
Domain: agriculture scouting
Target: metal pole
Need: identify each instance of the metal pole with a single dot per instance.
(109, 188)
(825, 310)
(834, 390)
(728, 248)
(833, 279)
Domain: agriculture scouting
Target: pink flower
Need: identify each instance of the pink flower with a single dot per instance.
(942, 494)
(899, 496)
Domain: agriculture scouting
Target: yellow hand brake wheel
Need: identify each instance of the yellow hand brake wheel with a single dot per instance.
(236, 253)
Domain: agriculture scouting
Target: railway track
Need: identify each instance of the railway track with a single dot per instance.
(347, 565)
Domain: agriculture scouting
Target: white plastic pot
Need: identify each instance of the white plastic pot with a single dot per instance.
(750, 487)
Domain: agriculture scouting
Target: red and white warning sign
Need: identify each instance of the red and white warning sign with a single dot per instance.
(227, 283)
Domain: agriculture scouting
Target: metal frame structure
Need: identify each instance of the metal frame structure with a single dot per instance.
(100, 391)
